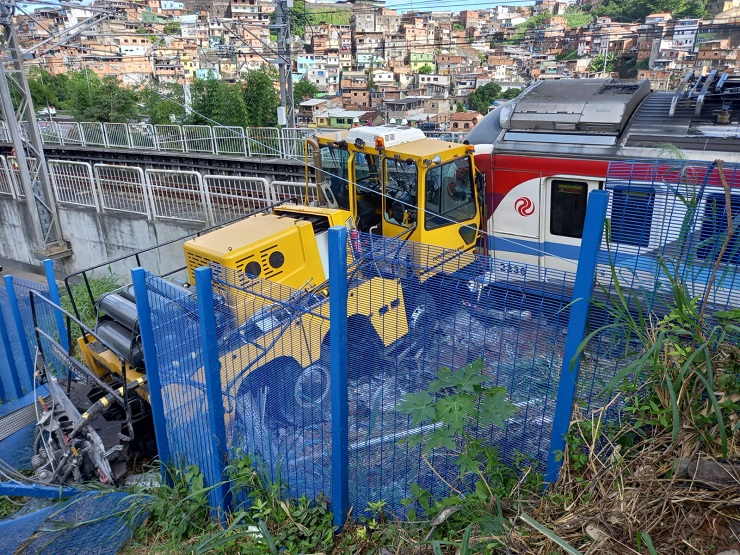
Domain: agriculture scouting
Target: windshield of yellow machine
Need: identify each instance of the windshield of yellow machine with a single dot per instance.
(401, 192)
(334, 166)
(450, 196)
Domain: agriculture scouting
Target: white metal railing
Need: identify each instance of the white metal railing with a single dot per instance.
(70, 133)
(178, 195)
(157, 194)
(232, 196)
(289, 190)
(14, 170)
(93, 134)
(230, 140)
(258, 142)
(142, 136)
(73, 183)
(199, 138)
(7, 187)
(169, 138)
(122, 189)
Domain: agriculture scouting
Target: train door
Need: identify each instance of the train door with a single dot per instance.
(564, 199)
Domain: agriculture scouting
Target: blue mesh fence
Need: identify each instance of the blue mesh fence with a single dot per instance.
(414, 309)
(44, 314)
(669, 223)
(275, 379)
(179, 351)
(8, 373)
(89, 523)
(16, 347)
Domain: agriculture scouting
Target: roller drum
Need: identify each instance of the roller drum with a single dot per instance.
(122, 341)
(121, 310)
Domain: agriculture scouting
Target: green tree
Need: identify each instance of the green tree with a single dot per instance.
(163, 101)
(261, 99)
(510, 94)
(480, 99)
(425, 70)
(84, 88)
(304, 90)
(459, 107)
(172, 28)
(216, 102)
(94, 100)
(597, 65)
(299, 16)
(115, 103)
(39, 83)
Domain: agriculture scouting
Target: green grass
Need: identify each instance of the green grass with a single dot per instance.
(99, 285)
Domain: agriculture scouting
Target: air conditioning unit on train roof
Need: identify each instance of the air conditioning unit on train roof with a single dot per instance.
(599, 106)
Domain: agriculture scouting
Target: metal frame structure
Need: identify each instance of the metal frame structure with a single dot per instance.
(35, 184)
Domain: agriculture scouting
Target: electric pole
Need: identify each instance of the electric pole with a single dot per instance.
(34, 181)
(285, 57)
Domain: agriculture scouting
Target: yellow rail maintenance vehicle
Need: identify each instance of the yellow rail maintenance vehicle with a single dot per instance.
(387, 180)
(397, 182)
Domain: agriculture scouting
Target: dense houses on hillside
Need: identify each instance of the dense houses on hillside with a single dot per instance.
(371, 62)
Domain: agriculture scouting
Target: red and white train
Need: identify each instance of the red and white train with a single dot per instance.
(543, 152)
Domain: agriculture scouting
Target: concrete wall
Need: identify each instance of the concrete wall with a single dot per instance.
(95, 239)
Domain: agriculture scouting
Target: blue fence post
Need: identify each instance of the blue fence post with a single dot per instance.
(12, 368)
(138, 275)
(16, 310)
(57, 300)
(593, 229)
(339, 407)
(207, 316)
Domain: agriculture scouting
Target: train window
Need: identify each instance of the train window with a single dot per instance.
(713, 232)
(632, 216)
(568, 207)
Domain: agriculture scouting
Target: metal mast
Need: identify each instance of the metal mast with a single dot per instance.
(285, 57)
(32, 171)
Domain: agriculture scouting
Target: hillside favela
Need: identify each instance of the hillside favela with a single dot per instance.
(438, 68)
(367, 277)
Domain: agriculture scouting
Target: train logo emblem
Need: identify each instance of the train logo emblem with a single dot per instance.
(524, 206)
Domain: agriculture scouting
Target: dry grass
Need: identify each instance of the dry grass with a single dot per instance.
(622, 493)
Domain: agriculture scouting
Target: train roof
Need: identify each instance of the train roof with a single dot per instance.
(618, 119)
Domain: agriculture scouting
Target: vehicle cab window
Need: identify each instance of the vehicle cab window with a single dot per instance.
(401, 186)
(366, 171)
(335, 168)
(450, 194)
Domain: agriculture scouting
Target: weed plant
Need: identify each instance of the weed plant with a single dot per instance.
(85, 303)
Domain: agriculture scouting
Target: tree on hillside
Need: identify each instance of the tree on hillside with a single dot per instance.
(172, 28)
(261, 99)
(637, 10)
(597, 65)
(300, 17)
(217, 103)
(162, 101)
(39, 83)
(425, 70)
(480, 99)
(304, 90)
(114, 103)
(84, 87)
(459, 107)
(510, 94)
